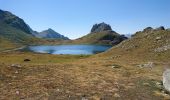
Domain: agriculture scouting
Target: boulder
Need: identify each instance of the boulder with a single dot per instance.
(15, 66)
(27, 60)
(166, 79)
(158, 38)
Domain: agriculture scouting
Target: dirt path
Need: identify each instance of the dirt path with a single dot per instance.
(15, 49)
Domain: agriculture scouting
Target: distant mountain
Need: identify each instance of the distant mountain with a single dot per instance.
(101, 34)
(51, 34)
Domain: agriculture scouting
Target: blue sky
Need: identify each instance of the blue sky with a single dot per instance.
(74, 18)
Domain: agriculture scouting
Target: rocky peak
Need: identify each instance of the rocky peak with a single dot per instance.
(101, 27)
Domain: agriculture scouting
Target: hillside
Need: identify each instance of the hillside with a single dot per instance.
(101, 34)
(147, 45)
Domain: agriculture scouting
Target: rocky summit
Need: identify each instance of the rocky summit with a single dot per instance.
(101, 27)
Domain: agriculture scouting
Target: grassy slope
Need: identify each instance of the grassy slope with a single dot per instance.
(142, 47)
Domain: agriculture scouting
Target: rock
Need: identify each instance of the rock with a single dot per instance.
(162, 49)
(166, 79)
(147, 65)
(101, 27)
(16, 72)
(115, 66)
(158, 38)
(147, 29)
(16, 66)
(17, 92)
(160, 28)
(27, 60)
(116, 95)
(146, 84)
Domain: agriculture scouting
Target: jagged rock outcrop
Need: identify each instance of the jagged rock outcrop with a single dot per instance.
(101, 27)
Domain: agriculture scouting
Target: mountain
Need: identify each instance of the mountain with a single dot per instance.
(51, 34)
(148, 45)
(101, 34)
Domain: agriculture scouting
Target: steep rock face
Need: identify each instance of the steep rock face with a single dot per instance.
(14, 21)
(101, 27)
(51, 34)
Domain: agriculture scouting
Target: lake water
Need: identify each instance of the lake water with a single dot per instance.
(70, 49)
